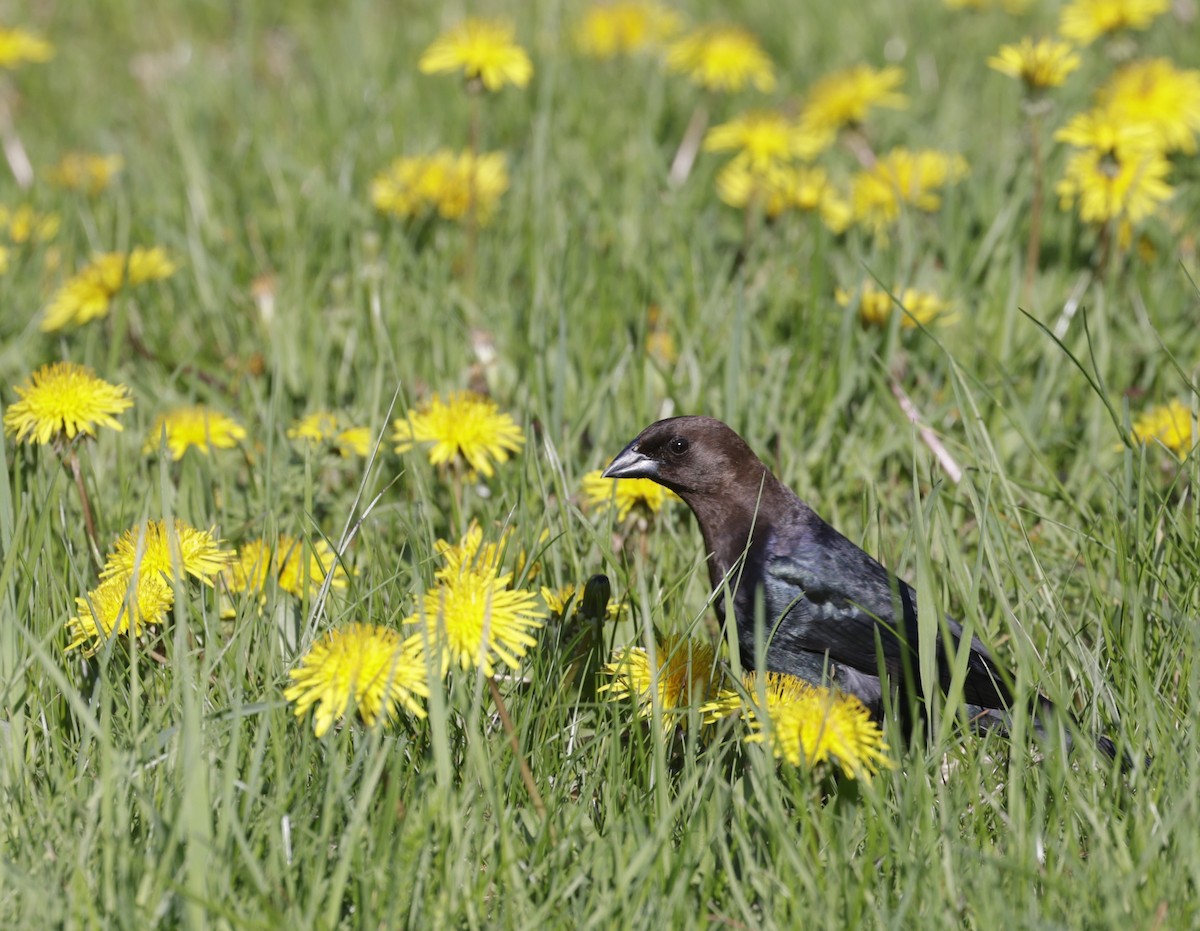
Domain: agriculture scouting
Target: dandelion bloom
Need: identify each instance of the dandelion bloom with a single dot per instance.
(777, 188)
(249, 570)
(317, 427)
(151, 548)
(85, 171)
(901, 177)
(624, 27)
(624, 494)
(845, 97)
(360, 668)
(1173, 425)
(722, 58)
(353, 441)
(1041, 64)
(24, 224)
(89, 293)
(465, 426)
(112, 609)
(471, 553)
(807, 725)
(1127, 184)
(302, 565)
(876, 306)
(63, 400)
(474, 620)
(1087, 20)
(196, 426)
(682, 673)
(767, 137)
(1156, 95)
(484, 50)
(453, 184)
(18, 46)
(571, 596)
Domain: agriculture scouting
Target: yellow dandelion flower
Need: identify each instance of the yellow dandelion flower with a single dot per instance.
(1087, 20)
(317, 427)
(876, 306)
(810, 190)
(683, 673)
(475, 620)
(1156, 95)
(151, 549)
(465, 426)
(249, 570)
(807, 725)
(196, 426)
(403, 189)
(108, 610)
(64, 400)
(768, 137)
(844, 98)
(722, 58)
(4, 258)
(624, 494)
(303, 564)
(776, 188)
(624, 27)
(18, 46)
(470, 554)
(1102, 130)
(24, 224)
(89, 293)
(1038, 65)
(354, 441)
(904, 177)
(472, 182)
(558, 600)
(1127, 185)
(86, 172)
(362, 668)
(1173, 425)
(484, 50)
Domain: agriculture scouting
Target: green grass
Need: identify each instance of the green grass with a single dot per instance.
(139, 795)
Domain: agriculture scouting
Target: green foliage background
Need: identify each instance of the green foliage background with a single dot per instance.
(139, 796)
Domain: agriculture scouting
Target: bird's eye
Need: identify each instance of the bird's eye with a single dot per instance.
(679, 445)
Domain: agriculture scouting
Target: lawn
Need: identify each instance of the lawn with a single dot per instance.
(955, 310)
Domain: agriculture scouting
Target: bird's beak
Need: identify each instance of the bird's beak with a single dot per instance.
(631, 464)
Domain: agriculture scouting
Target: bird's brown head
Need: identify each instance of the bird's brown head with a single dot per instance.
(692, 456)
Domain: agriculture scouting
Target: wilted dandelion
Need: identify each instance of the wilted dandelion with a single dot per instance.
(624, 494)
(484, 50)
(465, 426)
(112, 609)
(844, 98)
(1085, 21)
(194, 426)
(63, 400)
(362, 668)
(807, 725)
(152, 549)
(624, 27)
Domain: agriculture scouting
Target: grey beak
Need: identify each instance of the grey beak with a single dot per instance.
(631, 464)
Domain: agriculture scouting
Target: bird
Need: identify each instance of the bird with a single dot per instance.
(829, 612)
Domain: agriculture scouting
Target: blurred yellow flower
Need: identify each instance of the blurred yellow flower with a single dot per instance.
(362, 668)
(1038, 65)
(682, 674)
(470, 554)
(484, 50)
(624, 494)
(475, 620)
(302, 565)
(89, 293)
(317, 427)
(778, 188)
(1101, 129)
(250, 568)
(1173, 425)
(354, 441)
(904, 177)
(151, 549)
(623, 27)
(876, 307)
(767, 138)
(465, 426)
(85, 171)
(1156, 95)
(807, 725)
(845, 97)
(1087, 20)
(452, 184)
(63, 400)
(18, 46)
(197, 426)
(112, 609)
(558, 600)
(722, 58)
(1127, 184)
(24, 224)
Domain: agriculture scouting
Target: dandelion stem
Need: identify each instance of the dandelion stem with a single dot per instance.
(89, 522)
(526, 773)
(1033, 247)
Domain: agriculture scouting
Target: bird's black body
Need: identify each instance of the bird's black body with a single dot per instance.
(829, 612)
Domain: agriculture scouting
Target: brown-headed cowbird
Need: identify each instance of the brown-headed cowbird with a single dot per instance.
(829, 613)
